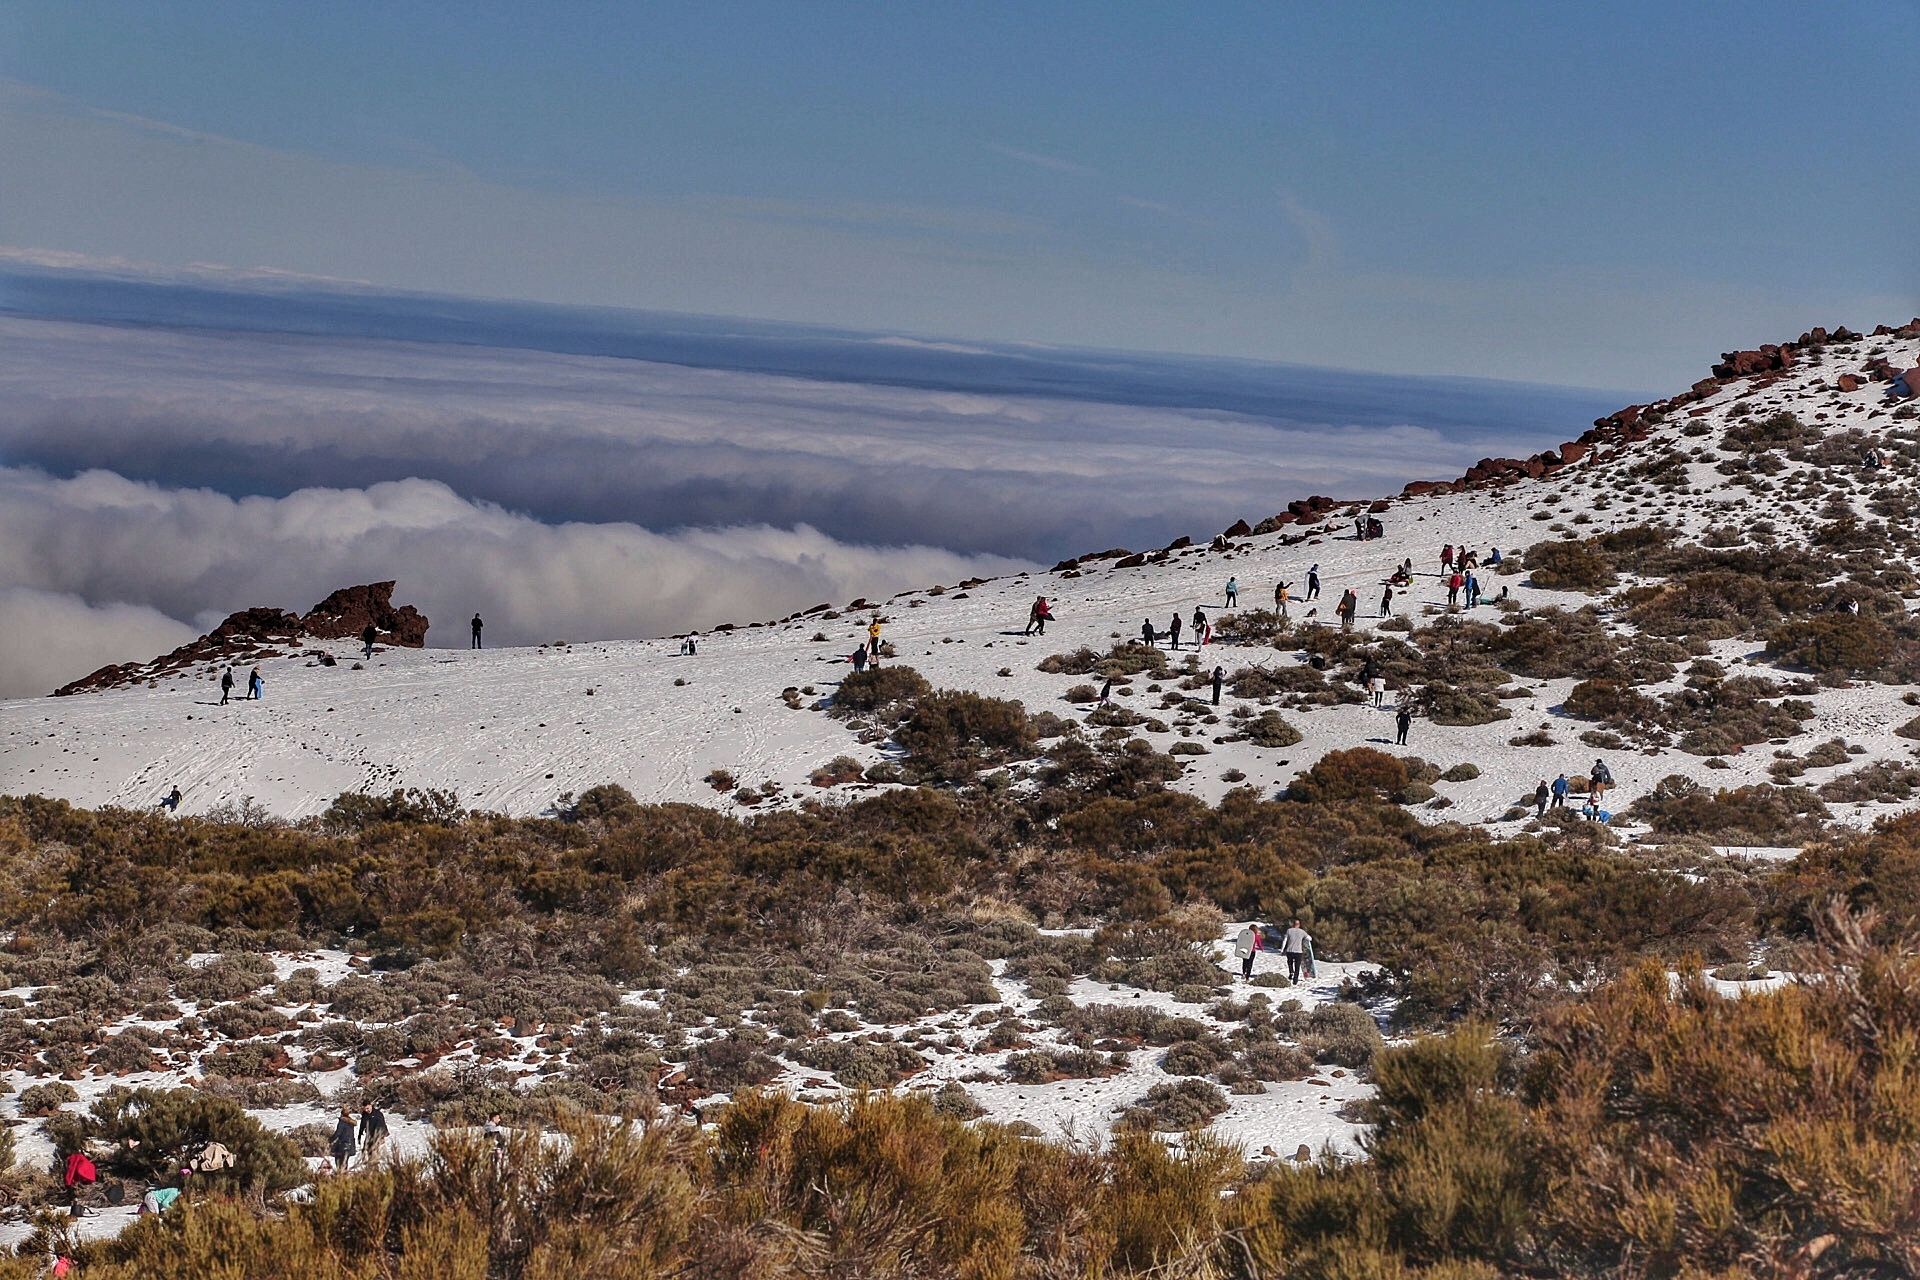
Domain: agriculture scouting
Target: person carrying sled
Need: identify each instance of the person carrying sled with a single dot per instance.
(1247, 946)
(171, 801)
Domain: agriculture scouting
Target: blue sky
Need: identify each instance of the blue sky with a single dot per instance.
(1600, 195)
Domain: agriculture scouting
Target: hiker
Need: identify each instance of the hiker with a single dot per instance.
(1295, 946)
(1219, 678)
(1473, 591)
(1454, 584)
(171, 801)
(1560, 791)
(256, 687)
(367, 638)
(1349, 604)
(1540, 794)
(1600, 779)
(1247, 946)
(859, 659)
(1378, 688)
(1199, 627)
(1280, 594)
(226, 685)
(346, 1136)
(373, 1131)
(1233, 592)
(1173, 632)
(1386, 601)
(1106, 691)
(1039, 616)
(476, 624)
(1402, 721)
(1147, 633)
(1446, 558)
(873, 642)
(1313, 583)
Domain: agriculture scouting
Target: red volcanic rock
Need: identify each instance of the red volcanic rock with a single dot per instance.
(1573, 451)
(344, 615)
(1742, 364)
(1377, 506)
(1879, 369)
(1131, 562)
(1238, 529)
(1420, 488)
(1178, 544)
(1848, 382)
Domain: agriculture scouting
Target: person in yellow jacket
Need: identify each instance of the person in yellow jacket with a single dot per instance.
(873, 640)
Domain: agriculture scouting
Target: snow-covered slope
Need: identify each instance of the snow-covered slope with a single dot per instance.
(514, 729)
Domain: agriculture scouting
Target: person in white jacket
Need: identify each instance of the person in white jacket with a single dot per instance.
(1295, 945)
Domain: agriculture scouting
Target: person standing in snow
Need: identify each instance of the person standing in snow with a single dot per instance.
(1173, 632)
(476, 624)
(1037, 616)
(1446, 558)
(1386, 602)
(1348, 606)
(171, 803)
(1540, 797)
(873, 642)
(367, 638)
(1313, 582)
(1454, 584)
(1233, 592)
(226, 685)
(256, 687)
(1295, 946)
(1560, 791)
(859, 659)
(346, 1137)
(1147, 633)
(1472, 585)
(1247, 946)
(1280, 595)
(373, 1131)
(1106, 691)
(1402, 721)
(1600, 779)
(1378, 688)
(1199, 627)
(1219, 678)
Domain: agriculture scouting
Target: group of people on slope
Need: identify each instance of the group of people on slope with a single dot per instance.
(1296, 944)
(1553, 795)
(868, 654)
(363, 1134)
(256, 686)
(1202, 630)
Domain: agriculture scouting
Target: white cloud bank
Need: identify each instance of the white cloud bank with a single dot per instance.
(159, 554)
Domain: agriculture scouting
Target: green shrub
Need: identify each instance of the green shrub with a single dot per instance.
(1176, 1106)
(1569, 566)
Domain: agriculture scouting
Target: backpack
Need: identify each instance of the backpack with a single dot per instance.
(80, 1170)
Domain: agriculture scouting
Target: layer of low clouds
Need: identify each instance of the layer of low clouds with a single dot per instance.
(160, 554)
(154, 479)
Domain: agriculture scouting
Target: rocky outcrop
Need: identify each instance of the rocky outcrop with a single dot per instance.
(344, 615)
(253, 635)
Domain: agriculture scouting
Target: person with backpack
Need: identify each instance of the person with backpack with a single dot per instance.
(367, 638)
(1233, 592)
(476, 624)
(1219, 678)
(256, 687)
(346, 1137)
(1560, 791)
(1296, 945)
(1247, 946)
(226, 685)
(1402, 721)
(1540, 796)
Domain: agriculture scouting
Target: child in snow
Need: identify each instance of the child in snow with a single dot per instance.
(1147, 633)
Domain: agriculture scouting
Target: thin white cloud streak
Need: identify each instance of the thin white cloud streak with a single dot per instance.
(152, 554)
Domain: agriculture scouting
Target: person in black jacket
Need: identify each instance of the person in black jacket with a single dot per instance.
(477, 624)
(226, 685)
(1401, 723)
(367, 638)
(1219, 677)
(373, 1130)
(345, 1138)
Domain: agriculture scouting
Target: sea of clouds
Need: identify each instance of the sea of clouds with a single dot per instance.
(154, 477)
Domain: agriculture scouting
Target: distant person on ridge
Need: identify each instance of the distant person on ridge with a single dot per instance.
(476, 625)
(226, 685)
(367, 638)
